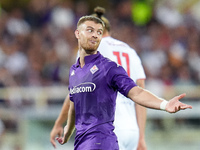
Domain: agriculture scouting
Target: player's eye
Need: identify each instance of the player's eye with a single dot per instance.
(90, 30)
(99, 33)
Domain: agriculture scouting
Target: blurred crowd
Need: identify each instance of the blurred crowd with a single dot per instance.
(38, 46)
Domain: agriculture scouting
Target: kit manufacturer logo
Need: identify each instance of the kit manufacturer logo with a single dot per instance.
(72, 73)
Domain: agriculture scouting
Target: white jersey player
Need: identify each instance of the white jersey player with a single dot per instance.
(130, 118)
(126, 126)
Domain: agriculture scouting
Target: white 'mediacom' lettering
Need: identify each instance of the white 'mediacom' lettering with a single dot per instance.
(83, 88)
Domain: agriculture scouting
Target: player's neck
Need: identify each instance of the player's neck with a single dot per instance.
(83, 53)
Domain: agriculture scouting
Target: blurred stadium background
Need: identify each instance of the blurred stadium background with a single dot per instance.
(37, 47)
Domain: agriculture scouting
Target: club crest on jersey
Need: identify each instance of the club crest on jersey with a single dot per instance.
(94, 69)
(73, 73)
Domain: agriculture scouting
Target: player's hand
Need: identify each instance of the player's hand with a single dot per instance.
(57, 130)
(65, 138)
(175, 105)
(141, 145)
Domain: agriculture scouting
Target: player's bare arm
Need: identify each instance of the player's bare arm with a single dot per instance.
(58, 126)
(141, 119)
(147, 99)
(69, 128)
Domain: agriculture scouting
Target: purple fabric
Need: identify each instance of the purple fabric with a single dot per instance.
(93, 89)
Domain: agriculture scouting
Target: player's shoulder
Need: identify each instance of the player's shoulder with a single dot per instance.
(107, 62)
(110, 41)
(72, 69)
(74, 66)
(113, 42)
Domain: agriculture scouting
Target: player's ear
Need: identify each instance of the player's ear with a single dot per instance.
(76, 33)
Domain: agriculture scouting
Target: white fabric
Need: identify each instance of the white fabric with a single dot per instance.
(163, 104)
(125, 115)
(128, 139)
(109, 45)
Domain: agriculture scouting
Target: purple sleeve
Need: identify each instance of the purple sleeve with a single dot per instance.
(120, 80)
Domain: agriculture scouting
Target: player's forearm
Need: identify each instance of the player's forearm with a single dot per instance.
(62, 118)
(147, 99)
(70, 122)
(141, 113)
(144, 98)
(141, 119)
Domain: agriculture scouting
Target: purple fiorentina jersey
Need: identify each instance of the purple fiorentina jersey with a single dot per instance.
(93, 89)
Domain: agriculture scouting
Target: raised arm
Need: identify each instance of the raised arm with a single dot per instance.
(70, 127)
(57, 129)
(147, 99)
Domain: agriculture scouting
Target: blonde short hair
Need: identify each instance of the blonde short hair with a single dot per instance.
(90, 18)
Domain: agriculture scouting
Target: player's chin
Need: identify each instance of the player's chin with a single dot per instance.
(94, 46)
(91, 48)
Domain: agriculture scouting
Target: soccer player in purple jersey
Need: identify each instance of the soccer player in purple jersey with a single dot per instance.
(93, 84)
(130, 118)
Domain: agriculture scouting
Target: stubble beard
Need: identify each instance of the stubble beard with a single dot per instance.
(89, 48)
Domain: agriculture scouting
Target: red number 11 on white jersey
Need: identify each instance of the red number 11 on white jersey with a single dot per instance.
(125, 55)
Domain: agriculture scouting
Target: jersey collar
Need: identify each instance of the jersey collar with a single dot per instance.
(88, 59)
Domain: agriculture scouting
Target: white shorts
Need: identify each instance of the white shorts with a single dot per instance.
(127, 139)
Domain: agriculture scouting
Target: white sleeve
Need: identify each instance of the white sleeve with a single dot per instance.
(137, 70)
